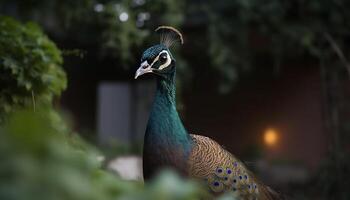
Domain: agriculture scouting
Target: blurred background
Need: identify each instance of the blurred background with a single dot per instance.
(269, 80)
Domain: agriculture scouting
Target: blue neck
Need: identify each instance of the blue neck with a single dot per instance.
(166, 143)
(164, 126)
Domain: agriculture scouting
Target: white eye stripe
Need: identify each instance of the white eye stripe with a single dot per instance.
(166, 63)
(157, 58)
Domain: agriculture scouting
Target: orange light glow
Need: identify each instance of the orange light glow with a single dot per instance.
(270, 137)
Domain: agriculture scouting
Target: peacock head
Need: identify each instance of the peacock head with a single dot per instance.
(158, 59)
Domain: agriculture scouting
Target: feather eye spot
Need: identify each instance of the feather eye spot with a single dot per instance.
(216, 183)
(240, 177)
(226, 178)
(216, 186)
(228, 171)
(250, 188)
(245, 177)
(235, 164)
(220, 172)
(234, 180)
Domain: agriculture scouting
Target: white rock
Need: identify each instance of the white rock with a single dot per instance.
(128, 167)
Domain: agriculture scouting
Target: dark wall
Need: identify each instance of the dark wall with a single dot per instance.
(290, 102)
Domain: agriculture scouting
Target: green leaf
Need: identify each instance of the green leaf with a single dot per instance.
(29, 61)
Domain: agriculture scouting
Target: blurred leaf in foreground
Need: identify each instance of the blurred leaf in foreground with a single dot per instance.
(39, 162)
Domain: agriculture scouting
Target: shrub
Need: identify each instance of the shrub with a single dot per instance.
(30, 67)
(39, 163)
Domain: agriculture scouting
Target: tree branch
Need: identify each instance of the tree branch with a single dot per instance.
(338, 51)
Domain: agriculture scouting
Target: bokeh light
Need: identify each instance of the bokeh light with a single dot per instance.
(124, 16)
(270, 137)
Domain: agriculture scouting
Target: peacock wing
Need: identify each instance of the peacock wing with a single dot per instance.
(223, 172)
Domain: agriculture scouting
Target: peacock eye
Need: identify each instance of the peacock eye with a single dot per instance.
(163, 57)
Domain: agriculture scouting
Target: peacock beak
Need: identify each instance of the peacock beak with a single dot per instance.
(143, 69)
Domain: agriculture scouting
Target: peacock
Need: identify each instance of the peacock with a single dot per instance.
(168, 144)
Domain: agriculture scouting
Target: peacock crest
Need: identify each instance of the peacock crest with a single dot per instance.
(169, 35)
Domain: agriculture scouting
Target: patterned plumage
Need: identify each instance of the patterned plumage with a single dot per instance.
(223, 172)
(168, 144)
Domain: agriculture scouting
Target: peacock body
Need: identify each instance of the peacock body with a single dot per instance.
(168, 144)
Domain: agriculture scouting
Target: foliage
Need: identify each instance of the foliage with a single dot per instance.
(39, 162)
(30, 67)
(115, 29)
(248, 34)
(241, 34)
